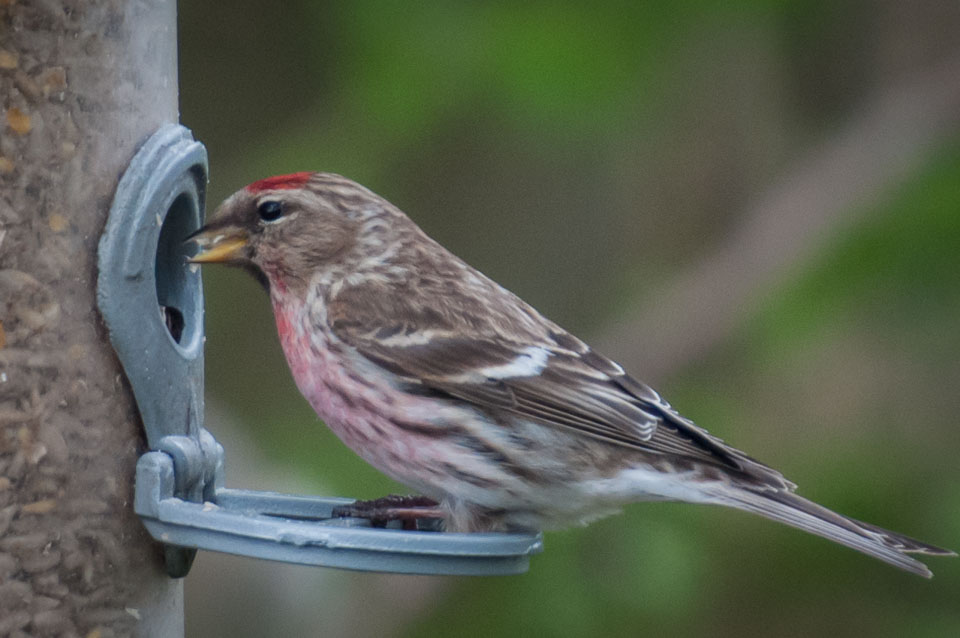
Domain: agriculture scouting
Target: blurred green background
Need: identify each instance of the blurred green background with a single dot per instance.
(602, 161)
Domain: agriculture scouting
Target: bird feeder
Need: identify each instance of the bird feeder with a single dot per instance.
(152, 302)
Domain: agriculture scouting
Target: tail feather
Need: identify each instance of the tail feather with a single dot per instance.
(906, 544)
(796, 511)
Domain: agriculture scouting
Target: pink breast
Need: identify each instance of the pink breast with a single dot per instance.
(357, 405)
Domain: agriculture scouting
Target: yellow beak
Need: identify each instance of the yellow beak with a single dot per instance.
(218, 244)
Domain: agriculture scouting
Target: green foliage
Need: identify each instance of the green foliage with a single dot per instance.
(896, 270)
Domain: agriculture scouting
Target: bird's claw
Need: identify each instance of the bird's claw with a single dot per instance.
(395, 507)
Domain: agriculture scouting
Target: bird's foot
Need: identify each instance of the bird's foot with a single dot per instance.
(395, 507)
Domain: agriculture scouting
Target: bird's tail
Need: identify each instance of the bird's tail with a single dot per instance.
(796, 511)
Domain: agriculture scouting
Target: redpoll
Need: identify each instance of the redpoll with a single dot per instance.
(455, 387)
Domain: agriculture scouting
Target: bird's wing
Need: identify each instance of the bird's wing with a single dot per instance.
(552, 378)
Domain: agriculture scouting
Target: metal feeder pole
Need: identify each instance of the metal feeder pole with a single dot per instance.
(83, 84)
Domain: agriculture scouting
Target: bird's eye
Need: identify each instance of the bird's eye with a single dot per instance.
(270, 210)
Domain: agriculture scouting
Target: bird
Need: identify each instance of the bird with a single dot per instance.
(445, 381)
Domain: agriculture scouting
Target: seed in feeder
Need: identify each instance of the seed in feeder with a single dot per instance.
(57, 222)
(8, 60)
(18, 121)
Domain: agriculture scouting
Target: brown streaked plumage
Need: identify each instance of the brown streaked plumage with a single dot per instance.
(454, 386)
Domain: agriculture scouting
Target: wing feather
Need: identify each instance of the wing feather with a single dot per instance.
(550, 377)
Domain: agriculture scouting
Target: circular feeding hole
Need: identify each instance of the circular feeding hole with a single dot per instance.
(178, 283)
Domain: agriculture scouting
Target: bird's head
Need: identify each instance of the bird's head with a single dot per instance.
(289, 228)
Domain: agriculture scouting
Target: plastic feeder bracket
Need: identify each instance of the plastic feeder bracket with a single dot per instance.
(152, 302)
